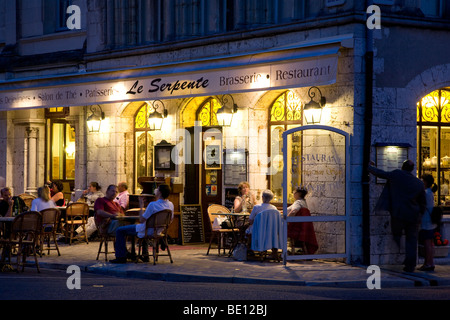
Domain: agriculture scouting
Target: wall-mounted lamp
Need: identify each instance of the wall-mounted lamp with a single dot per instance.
(225, 113)
(70, 149)
(313, 109)
(95, 119)
(155, 119)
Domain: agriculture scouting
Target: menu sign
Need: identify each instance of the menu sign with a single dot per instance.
(390, 158)
(192, 224)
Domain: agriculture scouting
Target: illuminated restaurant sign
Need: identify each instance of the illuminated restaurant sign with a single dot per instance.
(298, 73)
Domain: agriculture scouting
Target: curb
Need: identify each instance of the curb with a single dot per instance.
(116, 271)
(396, 279)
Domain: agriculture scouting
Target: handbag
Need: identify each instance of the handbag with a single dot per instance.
(217, 223)
(240, 252)
(226, 224)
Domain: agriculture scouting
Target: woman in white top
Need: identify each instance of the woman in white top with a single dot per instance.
(43, 200)
(300, 202)
(93, 193)
(427, 227)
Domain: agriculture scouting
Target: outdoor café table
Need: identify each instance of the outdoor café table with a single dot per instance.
(6, 223)
(233, 217)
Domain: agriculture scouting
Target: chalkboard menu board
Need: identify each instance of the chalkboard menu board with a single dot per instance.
(192, 224)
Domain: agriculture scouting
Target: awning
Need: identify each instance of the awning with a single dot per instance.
(302, 64)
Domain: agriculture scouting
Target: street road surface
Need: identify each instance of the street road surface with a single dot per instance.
(52, 285)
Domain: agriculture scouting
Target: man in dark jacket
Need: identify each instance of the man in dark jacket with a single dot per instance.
(406, 203)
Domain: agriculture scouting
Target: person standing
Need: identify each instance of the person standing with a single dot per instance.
(426, 232)
(406, 202)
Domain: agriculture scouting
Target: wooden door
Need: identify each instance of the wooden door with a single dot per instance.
(204, 172)
(212, 168)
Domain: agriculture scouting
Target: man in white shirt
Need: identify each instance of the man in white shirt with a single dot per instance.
(162, 193)
(123, 196)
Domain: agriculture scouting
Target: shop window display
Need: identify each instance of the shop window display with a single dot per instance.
(433, 138)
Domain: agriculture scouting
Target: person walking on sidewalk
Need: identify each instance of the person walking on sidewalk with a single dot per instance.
(161, 193)
(404, 198)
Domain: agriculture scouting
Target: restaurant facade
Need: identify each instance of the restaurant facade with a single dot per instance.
(206, 94)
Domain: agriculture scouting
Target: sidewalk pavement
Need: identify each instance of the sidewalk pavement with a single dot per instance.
(190, 263)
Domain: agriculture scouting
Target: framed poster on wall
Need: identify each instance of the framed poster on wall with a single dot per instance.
(213, 156)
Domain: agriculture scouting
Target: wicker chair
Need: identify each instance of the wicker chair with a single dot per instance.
(25, 235)
(104, 238)
(27, 199)
(77, 214)
(221, 234)
(50, 222)
(157, 221)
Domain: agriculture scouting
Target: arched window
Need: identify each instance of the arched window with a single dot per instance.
(143, 144)
(285, 113)
(206, 114)
(433, 139)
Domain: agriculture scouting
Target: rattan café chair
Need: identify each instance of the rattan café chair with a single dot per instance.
(77, 214)
(50, 221)
(27, 199)
(25, 235)
(105, 237)
(157, 221)
(220, 234)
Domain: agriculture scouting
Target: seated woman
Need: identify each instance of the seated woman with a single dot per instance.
(245, 201)
(43, 201)
(300, 202)
(301, 233)
(93, 193)
(58, 196)
(267, 196)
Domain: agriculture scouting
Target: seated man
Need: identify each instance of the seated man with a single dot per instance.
(6, 203)
(106, 210)
(161, 203)
(123, 196)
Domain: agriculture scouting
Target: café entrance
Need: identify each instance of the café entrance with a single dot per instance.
(203, 168)
(323, 168)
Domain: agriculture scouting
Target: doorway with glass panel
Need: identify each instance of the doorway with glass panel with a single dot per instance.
(60, 150)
